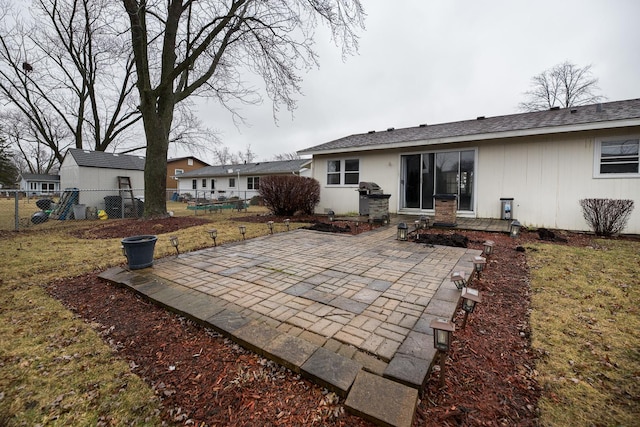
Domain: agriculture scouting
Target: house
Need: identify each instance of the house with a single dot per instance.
(36, 184)
(546, 161)
(178, 166)
(242, 180)
(99, 174)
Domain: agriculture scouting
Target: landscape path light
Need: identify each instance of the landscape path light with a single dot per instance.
(478, 264)
(124, 251)
(174, 242)
(331, 215)
(457, 277)
(243, 230)
(357, 224)
(287, 223)
(488, 247)
(416, 224)
(403, 232)
(442, 330)
(270, 225)
(213, 233)
(470, 297)
(514, 229)
(424, 221)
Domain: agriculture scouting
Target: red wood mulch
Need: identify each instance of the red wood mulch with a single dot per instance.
(204, 379)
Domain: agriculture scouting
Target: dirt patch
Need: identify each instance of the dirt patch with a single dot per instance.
(204, 379)
(455, 240)
(121, 228)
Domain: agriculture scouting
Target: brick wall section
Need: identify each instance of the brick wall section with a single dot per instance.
(445, 211)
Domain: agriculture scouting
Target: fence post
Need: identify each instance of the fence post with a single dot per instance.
(16, 212)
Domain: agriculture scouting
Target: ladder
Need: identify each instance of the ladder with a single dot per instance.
(126, 192)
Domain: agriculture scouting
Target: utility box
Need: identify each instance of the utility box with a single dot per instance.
(506, 207)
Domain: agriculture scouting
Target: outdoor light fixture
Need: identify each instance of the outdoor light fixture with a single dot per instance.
(416, 224)
(469, 299)
(124, 251)
(478, 264)
(270, 225)
(514, 229)
(403, 231)
(287, 222)
(357, 224)
(175, 243)
(458, 279)
(442, 330)
(424, 221)
(331, 216)
(488, 247)
(213, 233)
(243, 230)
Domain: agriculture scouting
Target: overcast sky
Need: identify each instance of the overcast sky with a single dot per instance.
(442, 61)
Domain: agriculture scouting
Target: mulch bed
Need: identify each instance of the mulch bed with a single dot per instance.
(204, 379)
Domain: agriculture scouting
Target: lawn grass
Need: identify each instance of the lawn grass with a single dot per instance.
(54, 368)
(585, 323)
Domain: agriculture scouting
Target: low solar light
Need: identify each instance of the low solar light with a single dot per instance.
(403, 232)
(424, 222)
(469, 299)
(357, 224)
(243, 230)
(457, 277)
(175, 243)
(213, 233)
(478, 264)
(124, 251)
(331, 215)
(270, 225)
(416, 224)
(488, 247)
(442, 330)
(514, 229)
(287, 223)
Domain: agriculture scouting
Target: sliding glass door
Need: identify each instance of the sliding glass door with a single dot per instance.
(427, 174)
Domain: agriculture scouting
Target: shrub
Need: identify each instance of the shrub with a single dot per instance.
(285, 195)
(256, 201)
(606, 216)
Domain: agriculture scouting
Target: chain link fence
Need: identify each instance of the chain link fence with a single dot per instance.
(20, 210)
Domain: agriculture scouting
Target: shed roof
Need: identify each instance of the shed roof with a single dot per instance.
(260, 168)
(594, 116)
(40, 177)
(100, 159)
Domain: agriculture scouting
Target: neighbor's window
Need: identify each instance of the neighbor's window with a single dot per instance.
(232, 182)
(253, 183)
(190, 162)
(204, 183)
(619, 157)
(213, 183)
(178, 171)
(194, 184)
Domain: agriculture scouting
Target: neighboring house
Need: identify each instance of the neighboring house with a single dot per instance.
(243, 180)
(547, 161)
(35, 184)
(178, 166)
(99, 172)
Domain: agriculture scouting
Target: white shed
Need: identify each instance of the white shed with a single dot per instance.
(96, 174)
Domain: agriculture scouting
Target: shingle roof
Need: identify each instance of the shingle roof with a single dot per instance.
(500, 126)
(260, 168)
(100, 159)
(39, 177)
(177, 159)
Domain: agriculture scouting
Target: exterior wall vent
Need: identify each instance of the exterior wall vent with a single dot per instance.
(423, 125)
(480, 118)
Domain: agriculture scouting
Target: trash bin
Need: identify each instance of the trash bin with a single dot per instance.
(506, 207)
(80, 211)
(113, 206)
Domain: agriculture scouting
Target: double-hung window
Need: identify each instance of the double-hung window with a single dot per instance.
(618, 157)
(253, 183)
(345, 172)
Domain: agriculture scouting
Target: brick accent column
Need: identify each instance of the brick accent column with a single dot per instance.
(446, 207)
(378, 207)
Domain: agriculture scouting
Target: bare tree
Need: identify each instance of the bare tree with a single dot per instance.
(564, 85)
(247, 155)
(224, 156)
(67, 72)
(185, 47)
(8, 170)
(287, 156)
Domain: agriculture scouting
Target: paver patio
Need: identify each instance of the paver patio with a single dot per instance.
(326, 305)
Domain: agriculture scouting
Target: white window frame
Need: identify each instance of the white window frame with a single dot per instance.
(253, 183)
(597, 158)
(189, 162)
(342, 173)
(232, 183)
(178, 172)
